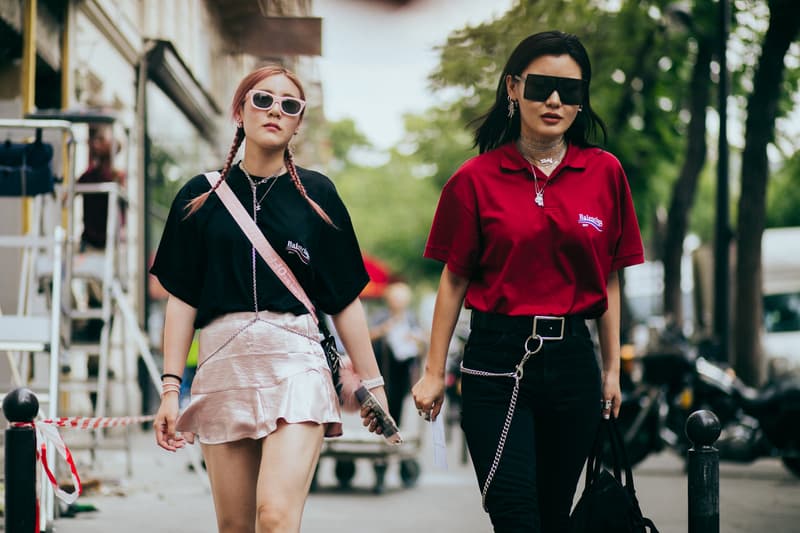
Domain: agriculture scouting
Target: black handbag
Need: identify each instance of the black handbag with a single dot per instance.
(332, 355)
(607, 504)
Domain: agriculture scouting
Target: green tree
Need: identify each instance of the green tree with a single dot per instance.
(763, 107)
(700, 26)
(783, 195)
(392, 204)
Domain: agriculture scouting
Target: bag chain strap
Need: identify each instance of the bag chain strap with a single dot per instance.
(257, 317)
(512, 406)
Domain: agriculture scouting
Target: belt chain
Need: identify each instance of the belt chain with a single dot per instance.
(516, 375)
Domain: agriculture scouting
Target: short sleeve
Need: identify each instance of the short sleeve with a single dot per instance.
(629, 250)
(180, 263)
(454, 238)
(339, 272)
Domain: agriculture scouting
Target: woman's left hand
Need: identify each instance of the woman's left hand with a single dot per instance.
(368, 416)
(611, 392)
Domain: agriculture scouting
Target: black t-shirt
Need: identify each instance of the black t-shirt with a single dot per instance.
(205, 259)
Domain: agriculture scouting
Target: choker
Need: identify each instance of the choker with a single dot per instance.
(543, 156)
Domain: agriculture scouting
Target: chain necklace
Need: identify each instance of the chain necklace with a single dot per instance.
(253, 183)
(553, 153)
(257, 316)
(539, 199)
(547, 164)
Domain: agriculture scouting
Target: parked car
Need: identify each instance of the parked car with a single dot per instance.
(780, 258)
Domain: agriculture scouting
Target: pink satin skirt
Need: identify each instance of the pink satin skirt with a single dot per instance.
(252, 374)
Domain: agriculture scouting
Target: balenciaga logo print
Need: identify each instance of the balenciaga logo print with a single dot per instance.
(587, 220)
(299, 250)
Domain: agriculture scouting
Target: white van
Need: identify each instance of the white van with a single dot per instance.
(780, 259)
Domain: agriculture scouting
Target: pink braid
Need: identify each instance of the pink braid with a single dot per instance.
(289, 159)
(197, 203)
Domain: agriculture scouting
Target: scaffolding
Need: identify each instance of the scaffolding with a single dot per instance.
(43, 351)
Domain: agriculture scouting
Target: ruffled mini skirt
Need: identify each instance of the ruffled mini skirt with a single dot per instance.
(253, 373)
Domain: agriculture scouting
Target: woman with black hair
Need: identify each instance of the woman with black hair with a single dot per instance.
(532, 232)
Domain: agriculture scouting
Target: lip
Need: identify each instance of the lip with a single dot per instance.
(551, 118)
(272, 126)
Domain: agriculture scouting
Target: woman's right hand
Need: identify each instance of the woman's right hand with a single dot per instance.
(164, 424)
(428, 394)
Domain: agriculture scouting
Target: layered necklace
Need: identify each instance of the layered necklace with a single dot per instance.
(546, 157)
(254, 183)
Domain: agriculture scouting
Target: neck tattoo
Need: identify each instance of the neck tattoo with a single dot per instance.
(253, 183)
(543, 155)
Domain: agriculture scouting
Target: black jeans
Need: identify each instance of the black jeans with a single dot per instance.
(551, 433)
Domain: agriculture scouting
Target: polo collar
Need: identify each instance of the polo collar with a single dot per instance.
(512, 160)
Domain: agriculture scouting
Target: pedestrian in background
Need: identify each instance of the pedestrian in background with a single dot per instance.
(103, 147)
(262, 397)
(532, 232)
(397, 341)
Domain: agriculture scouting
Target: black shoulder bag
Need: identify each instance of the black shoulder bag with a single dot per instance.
(607, 504)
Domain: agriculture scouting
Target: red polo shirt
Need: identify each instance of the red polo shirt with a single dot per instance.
(522, 259)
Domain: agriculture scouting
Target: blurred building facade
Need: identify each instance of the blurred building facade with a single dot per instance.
(166, 69)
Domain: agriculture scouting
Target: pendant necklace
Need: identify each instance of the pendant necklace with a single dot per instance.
(546, 164)
(253, 183)
(539, 199)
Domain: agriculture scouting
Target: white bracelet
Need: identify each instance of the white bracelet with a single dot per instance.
(373, 383)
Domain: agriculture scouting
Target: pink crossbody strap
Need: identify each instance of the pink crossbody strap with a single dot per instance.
(260, 243)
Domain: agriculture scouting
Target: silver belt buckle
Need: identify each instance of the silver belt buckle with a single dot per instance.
(543, 319)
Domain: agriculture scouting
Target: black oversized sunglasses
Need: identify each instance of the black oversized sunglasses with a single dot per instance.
(539, 88)
(265, 100)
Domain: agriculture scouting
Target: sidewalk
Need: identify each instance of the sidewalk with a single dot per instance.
(165, 496)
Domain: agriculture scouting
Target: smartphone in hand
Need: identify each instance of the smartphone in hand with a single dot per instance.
(389, 427)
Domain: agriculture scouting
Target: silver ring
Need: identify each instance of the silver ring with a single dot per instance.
(529, 339)
(607, 404)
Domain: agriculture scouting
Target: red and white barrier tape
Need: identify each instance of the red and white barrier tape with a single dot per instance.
(96, 422)
(46, 432)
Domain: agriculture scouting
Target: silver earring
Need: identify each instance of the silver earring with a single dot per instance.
(511, 105)
(239, 124)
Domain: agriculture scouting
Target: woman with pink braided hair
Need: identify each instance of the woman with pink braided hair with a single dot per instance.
(262, 398)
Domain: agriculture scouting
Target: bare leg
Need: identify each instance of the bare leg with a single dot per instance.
(288, 459)
(233, 473)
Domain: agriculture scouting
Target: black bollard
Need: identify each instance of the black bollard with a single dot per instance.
(20, 405)
(703, 429)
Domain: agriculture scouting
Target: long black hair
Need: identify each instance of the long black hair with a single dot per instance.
(496, 128)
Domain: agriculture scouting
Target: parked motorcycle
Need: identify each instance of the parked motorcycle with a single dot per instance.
(674, 383)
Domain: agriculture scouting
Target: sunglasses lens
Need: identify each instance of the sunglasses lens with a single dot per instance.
(263, 100)
(290, 106)
(539, 88)
(570, 91)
